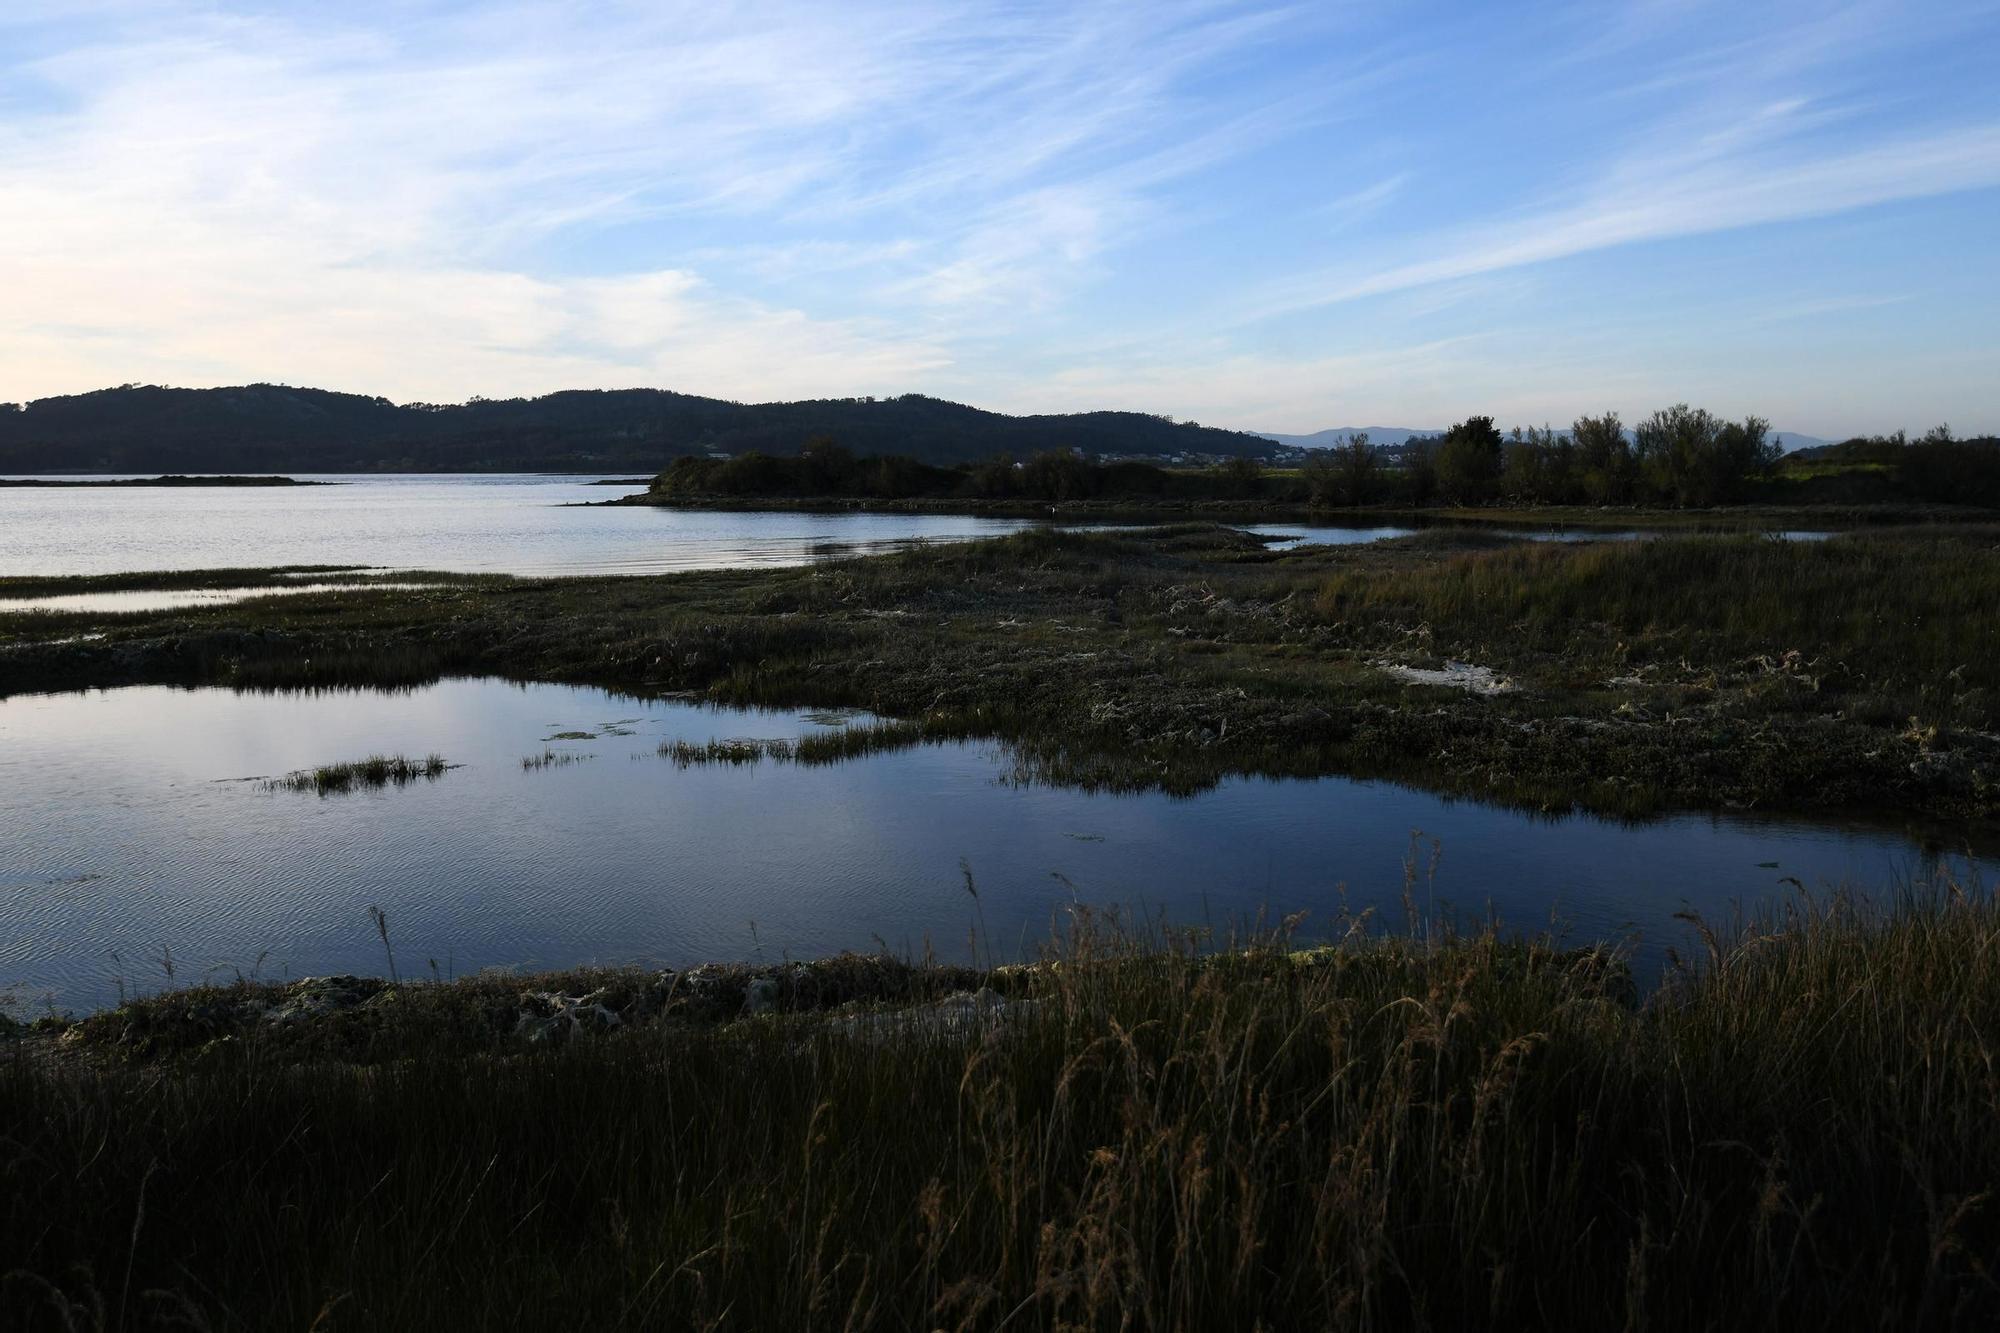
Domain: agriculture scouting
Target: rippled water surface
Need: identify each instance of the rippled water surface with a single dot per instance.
(132, 837)
(461, 523)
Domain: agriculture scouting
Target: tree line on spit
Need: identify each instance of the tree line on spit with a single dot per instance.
(1679, 456)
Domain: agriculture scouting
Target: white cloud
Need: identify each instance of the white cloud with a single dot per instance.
(215, 197)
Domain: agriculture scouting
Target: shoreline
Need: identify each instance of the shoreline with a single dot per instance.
(1722, 518)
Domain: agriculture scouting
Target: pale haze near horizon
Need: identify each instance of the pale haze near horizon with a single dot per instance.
(1260, 217)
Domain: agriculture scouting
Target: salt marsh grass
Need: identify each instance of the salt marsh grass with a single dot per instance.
(821, 747)
(1429, 1129)
(552, 759)
(377, 770)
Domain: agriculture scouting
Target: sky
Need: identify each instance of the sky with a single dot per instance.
(1269, 217)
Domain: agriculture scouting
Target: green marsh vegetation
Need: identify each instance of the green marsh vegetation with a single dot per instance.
(1855, 674)
(378, 770)
(1149, 1130)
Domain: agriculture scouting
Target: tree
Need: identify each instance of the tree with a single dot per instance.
(1245, 476)
(1539, 466)
(753, 473)
(1322, 477)
(1606, 470)
(1360, 466)
(1692, 457)
(897, 477)
(1744, 452)
(996, 478)
(1469, 460)
(1056, 475)
(1676, 453)
(1420, 470)
(824, 467)
(1346, 474)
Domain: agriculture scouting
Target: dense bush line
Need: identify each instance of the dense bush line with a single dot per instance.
(825, 469)
(1678, 457)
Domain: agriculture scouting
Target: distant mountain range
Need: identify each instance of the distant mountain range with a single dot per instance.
(1396, 435)
(262, 428)
(274, 428)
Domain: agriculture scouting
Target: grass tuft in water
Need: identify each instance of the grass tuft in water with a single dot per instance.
(851, 742)
(827, 747)
(377, 770)
(737, 750)
(553, 759)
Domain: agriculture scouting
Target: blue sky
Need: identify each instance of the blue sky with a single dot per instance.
(1273, 217)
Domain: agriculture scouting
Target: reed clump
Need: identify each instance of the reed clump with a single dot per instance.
(552, 759)
(1431, 1130)
(856, 739)
(830, 746)
(377, 770)
(733, 751)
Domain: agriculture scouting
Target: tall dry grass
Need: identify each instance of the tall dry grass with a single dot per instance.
(1465, 1131)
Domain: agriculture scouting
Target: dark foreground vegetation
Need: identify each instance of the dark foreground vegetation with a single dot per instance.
(1710, 672)
(1676, 459)
(1426, 1131)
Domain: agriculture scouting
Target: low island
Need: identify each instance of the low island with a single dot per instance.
(174, 480)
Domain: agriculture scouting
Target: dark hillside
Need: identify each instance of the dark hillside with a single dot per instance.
(268, 427)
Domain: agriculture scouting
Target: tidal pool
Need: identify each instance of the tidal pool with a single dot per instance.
(1285, 536)
(136, 851)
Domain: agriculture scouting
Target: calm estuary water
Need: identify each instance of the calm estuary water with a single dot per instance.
(517, 524)
(132, 838)
(473, 524)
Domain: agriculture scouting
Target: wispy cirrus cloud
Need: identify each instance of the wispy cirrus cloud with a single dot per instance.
(1707, 187)
(315, 196)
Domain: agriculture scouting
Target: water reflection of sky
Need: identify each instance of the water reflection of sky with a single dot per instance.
(521, 524)
(126, 836)
(514, 524)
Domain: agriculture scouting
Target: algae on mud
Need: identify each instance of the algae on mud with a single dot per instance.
(1697, 672)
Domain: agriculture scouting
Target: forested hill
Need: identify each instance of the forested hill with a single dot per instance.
(267, 427)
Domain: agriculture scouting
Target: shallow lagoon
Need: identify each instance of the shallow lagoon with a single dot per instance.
(133, 838)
